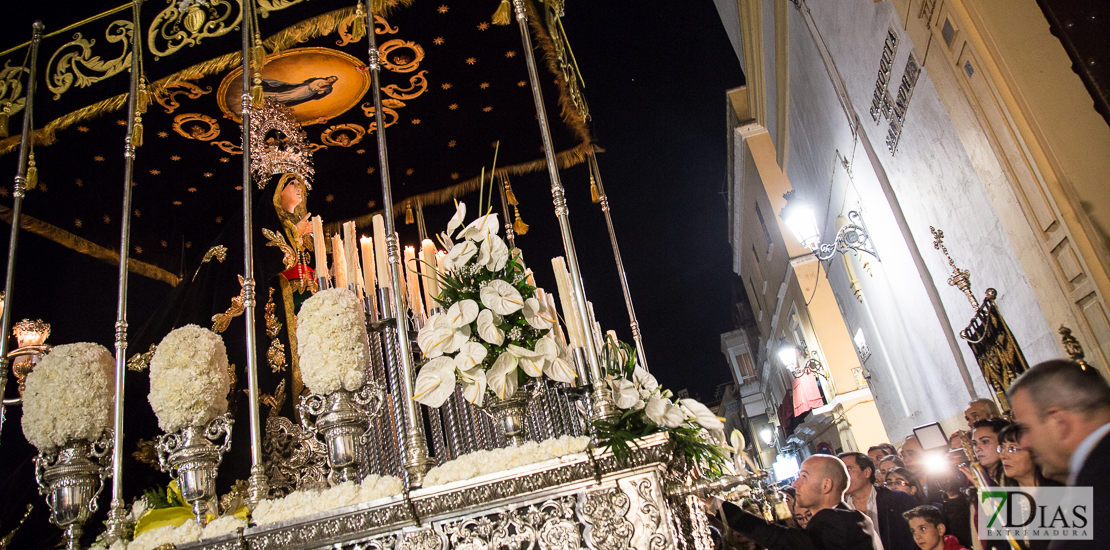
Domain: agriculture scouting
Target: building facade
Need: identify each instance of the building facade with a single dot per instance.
(903, 116)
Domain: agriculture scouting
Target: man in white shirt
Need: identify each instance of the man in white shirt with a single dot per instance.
(1064, 408)
(884, 506)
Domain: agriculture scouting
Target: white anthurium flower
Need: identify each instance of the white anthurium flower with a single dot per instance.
(424, 338)
(461, 313)
(501, 377)
(460, 336)
(479, 228)
(436, 342)
(494, 254)
(644, 379)
(536, 314)
(445, 240)
(436, 382)
(655, 409)
(531, 362)
(674, 416)
(459, 255)
(457, 219)
(487, 327)
(474, 385)
(558, 365)
(471, 354)
(502, 297)
(702, 415)
(625, 394)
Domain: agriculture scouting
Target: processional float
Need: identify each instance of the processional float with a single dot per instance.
(411, 460)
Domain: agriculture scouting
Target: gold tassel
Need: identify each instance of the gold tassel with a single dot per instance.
(259, 55)
(137, 133)
(358, 27)
(519, 227)
(595, 195)
(256, 93)
(32, 180)
(144, 97)
(501, 16)
(377, 6)
(408, 213)
(510, 195)
(4, 122)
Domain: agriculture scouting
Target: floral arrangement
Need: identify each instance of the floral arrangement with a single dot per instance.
(331, 340)
(485, 462)
(190, 531)
(69, 395)
(647, 408)
(312, 501)
(189, 378)
(494, 333)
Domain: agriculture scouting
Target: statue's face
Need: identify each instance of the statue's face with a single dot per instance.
(291, 196)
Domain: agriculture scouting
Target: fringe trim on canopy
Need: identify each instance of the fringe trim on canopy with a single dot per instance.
(73, 242)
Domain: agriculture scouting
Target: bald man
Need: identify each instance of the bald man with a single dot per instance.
(819, 488)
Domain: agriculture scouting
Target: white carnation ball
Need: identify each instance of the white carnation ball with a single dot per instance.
(69, 395)
(189, 378)
(331, 341)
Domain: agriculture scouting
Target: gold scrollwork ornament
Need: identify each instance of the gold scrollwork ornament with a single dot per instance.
(167, 95)
(11, 88)
(196, 126)
(418, 84)
(68, 65)
(391, 116)
(173, 29)
(343, 135)
(397, 62)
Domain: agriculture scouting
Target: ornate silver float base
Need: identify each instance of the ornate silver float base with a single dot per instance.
(574, 502)
(192, 459)
(71, 483)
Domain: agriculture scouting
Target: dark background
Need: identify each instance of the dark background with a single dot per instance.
(656, 74)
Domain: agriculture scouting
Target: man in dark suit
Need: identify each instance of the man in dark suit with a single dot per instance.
(1064, 410)
(883, 506)
(820, 488)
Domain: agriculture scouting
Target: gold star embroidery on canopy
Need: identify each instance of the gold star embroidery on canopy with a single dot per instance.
(138, 250)
(438, 41)
(408, 172)
(3, 191)
(175, 157)
(42, 186)
(360, 151)
(79, 182)
(329, 198)
(471, 60)
(192, 189)
(77, 223)
(163, 134)
(453, 106)
(454, 175)
(446, 86)
(138, 214)
(416, 121)
(487, 109)
(483, 26)
(225, 159)
(370, 170)
(238, 187)
(443, 8)
(522, 84)
(98, 158)
(451, 143)
(188, 244)
(107, 219)
(177, 203)
(83, 129)
(219, 219)
(165, 244)
(208, 174)
(155, 172)
(121, 122)
(484, 85)
(510, 53)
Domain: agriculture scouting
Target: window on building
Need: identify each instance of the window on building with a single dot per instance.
(763, 225)
(744, 365)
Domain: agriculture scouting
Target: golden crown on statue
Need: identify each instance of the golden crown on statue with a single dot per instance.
(278, 144)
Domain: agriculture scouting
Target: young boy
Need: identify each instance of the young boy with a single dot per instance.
(927, 525)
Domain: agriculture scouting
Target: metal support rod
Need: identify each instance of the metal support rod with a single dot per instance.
(17, 206)
(118, 513)
(416, 459)
(258, 486)
(604, 409)
(620, 263)
(509, 233)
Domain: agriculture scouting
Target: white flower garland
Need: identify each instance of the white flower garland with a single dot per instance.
(189, 379)
(331, 340)
(484, 462)
(189, 531)
(312, 501)
(69, 395)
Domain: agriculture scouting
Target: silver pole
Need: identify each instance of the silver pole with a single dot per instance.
(510, 235)
(118, 514)
(604, 408)
(416, 461)
(17, 208)
(258, 488)
(620, 263)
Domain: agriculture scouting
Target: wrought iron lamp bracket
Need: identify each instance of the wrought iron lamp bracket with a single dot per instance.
(812, 365)
(851, 236)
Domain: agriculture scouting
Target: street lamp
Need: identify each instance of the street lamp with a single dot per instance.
(801, 221)
(789, 355)
(767, 434)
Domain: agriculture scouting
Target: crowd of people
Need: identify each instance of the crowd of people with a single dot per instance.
(905, 498)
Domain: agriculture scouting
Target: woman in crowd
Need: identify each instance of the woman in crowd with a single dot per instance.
(901, 479)
(984, 442)
(885, 465)
(1018, 467)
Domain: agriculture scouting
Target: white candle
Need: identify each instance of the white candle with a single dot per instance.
(556, 327)
(339, 261)
(385, 277)
(428, 273)
(350, 253)
(529, 278)
(439, 261)
(368, 275)
(321, 249)
(566, 299)
(413, 278)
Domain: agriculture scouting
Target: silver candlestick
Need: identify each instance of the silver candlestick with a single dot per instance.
(71, 482)
(192, 457)
(342, 418)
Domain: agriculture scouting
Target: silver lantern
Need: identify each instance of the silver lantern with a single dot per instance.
(342, 417)
(71, 482)
(192, 456)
